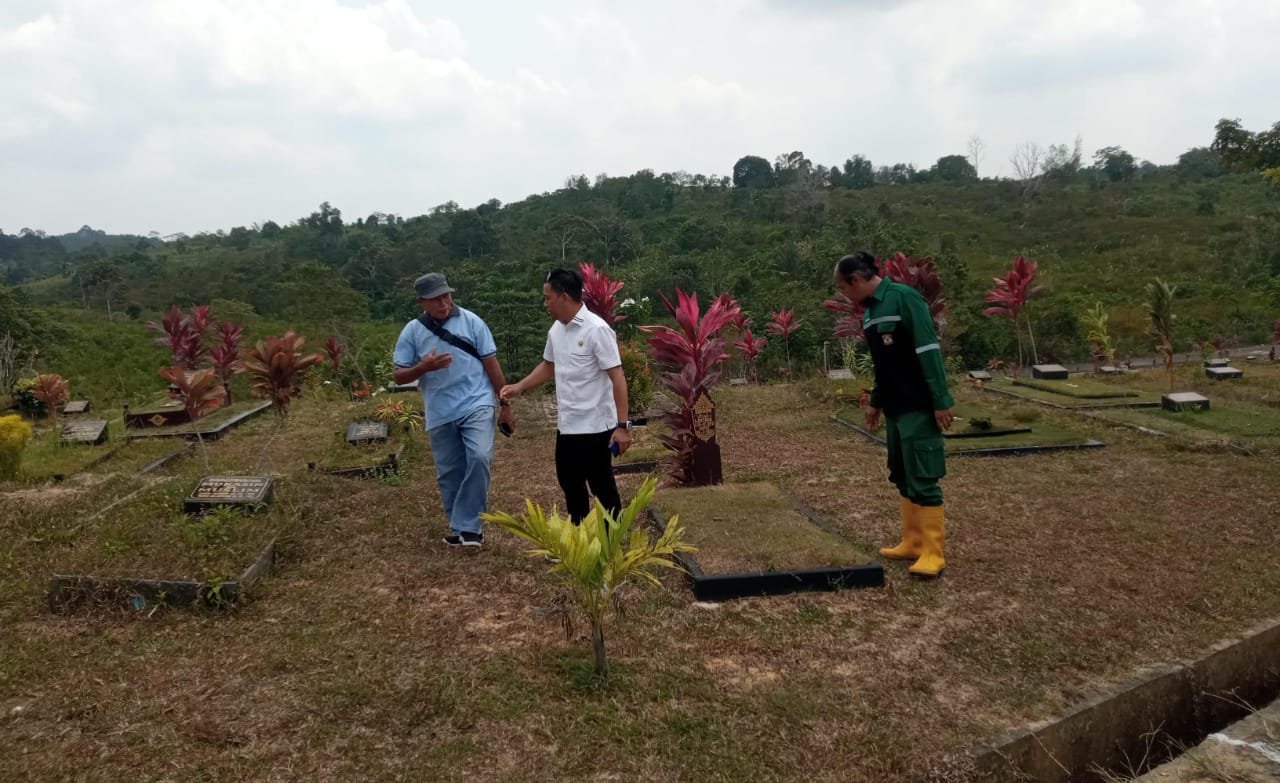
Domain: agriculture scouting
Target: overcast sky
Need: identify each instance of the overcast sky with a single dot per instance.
(190, 115)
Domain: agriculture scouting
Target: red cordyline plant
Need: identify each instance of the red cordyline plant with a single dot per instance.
(53, 390)
(276, 366)
(691, 353)
(599, 293)
(333, 350)
(1009, 297)
(183, 335)
(201, 393)
(225, 356)
(919, 273)
(750, 347)
(783, 324)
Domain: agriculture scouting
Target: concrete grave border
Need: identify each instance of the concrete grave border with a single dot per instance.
(754, 584)
(1186, 701)
(69, 592)
(210, 434)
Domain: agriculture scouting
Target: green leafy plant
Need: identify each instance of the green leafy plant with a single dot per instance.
(1101, 346)
(398, 412)
(275, 367)
(599, 558)
(1159, 307)
(15, 433)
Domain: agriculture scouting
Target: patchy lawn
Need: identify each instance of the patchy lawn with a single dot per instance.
(376, 653)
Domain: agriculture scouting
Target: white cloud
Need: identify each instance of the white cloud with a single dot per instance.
(203, 115)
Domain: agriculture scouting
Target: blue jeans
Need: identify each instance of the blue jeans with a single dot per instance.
(463, 451)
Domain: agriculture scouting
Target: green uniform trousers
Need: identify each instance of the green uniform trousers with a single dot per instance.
(916, 460)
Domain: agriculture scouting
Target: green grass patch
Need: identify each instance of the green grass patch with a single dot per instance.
(645, 445)
(45, 458)
(1252, 425)
(1078, 387)
(1045, 430)
(753, 527)
(1083, 394)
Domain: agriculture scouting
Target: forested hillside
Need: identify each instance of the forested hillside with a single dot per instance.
(768, 234)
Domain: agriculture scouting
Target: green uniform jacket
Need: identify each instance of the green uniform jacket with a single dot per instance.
(904, 347)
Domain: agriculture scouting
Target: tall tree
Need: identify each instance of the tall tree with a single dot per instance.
(752, 171)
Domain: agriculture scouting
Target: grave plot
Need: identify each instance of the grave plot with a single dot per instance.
(129, 543)
(77, 444)
(156, 422)
(753, 540)
(1232, 424)
(1075, 392)
(982, 429)
(1259, 386)
(366, 448)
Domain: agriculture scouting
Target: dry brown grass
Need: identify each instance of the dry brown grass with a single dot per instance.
(376, 654)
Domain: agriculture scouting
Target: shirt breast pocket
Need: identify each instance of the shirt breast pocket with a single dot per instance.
(887, 333)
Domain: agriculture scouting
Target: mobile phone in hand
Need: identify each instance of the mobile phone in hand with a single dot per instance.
(614, 449)
(504, 428)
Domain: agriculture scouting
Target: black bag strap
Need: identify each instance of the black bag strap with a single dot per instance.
(448, 336)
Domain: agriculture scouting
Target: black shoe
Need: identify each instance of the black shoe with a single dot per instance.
(465, 539)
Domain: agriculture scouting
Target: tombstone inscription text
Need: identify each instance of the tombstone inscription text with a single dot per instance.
(362, 432)
(229, 491)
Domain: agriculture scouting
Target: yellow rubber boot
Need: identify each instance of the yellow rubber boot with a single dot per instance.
(910, 547)
(933, 531)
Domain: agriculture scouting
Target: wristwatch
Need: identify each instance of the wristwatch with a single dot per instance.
(623, 425)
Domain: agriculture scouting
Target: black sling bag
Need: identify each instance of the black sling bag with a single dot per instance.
(448, 336)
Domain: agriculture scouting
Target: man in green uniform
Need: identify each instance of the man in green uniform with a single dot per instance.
(911, 391)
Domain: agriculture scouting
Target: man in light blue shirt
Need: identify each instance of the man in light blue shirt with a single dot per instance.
(451, 355)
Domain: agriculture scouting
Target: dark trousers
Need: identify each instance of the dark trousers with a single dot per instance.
(585, 461)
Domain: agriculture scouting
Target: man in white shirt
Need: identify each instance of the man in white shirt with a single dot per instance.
(591, 392)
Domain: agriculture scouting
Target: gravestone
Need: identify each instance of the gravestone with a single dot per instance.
(979, 375)
(737, 381)
(1108, 369)
(1223, 373)
(396, 388)
(87, 431)
(840, 374)
(1217, 362)
(169, 414)
(360, 433)
(1049, 372)
(76, 406)
(1184, 401)
(707, 468)
(211, 491)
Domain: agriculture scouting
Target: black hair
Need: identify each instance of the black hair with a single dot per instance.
(566, 281)
(860, 263)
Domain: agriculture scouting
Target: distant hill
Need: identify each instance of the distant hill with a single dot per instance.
(87, 237)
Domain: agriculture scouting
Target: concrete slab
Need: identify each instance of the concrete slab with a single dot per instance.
(1184, 401)
(1223, 373)
(1049, 372)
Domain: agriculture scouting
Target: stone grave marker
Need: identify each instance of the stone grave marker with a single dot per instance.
(396, 388)
(87, 431)
(1223, 373)
(1184, 401)
(737, 381)
(360, 433)
(1217, 362)
(76, 406)
(1049, 372)
(211, 491)
(839, 374)
(1109, 369)
(979, 375)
